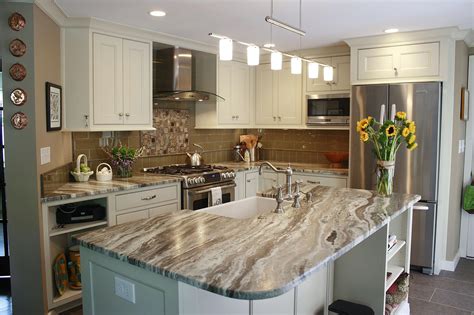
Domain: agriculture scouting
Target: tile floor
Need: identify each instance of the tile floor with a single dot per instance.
(450, 293)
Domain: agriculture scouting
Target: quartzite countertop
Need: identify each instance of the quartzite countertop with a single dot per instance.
(93, 187)
(318, 169)
(255, 258)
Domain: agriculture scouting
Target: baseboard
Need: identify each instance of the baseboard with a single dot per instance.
(450, 265)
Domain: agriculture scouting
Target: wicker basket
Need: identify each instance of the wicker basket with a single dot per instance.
(103, 177)
(81, 176)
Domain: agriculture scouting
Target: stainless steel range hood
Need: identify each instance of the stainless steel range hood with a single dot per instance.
(176, 77)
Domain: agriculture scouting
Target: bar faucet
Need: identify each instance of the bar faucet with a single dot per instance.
(288, 172)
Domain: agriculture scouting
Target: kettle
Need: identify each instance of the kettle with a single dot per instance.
(195, 159)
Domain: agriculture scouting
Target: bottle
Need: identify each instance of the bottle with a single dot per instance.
(247, 156)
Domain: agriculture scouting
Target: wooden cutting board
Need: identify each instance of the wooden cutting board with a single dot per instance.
(249, 140)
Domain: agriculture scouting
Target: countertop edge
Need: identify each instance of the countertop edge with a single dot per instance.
(260, 294)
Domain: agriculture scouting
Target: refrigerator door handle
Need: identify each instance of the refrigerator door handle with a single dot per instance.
(424, 208)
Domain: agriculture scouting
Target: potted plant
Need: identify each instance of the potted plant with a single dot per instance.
(123, 157)
(387, 137)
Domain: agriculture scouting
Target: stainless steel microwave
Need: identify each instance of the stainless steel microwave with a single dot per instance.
(328, 109)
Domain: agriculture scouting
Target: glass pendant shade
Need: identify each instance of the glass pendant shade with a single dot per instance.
(296, 65)
(253, 55)
(313, 70)
(276, 60)
(225, 49)
(328, 74)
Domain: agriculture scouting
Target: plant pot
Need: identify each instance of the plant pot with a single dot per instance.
(385, 172)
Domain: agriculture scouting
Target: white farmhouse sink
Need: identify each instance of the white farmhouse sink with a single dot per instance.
(244, 208)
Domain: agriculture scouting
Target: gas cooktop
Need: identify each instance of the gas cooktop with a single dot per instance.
(195, 176)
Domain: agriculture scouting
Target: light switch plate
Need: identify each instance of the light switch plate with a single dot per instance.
(125, 289)
(45, 155)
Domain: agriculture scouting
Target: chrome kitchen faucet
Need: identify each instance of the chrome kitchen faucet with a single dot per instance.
(288, 172)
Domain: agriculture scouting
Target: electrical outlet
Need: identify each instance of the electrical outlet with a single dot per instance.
(45, 154)
(125, 289)
(461, 146)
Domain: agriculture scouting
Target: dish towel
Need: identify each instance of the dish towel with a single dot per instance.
(216, 196)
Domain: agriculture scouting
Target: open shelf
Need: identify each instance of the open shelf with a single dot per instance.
(392, 251)
(68, 228)
(67, 297)
(396, 272)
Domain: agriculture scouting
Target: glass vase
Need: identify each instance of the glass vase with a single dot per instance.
(385, 172)
(124, 170)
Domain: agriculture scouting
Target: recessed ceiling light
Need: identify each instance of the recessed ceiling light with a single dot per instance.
(269, 45)
(157, 13)
(391, 30)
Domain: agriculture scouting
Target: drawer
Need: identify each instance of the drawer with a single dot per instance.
(320, 180)
(163, 209)
(134, 216)
(146, 197)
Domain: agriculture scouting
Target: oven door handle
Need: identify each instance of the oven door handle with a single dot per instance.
(209, 189)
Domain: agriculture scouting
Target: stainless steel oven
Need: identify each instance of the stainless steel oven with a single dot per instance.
(328, 109)
(200, 197)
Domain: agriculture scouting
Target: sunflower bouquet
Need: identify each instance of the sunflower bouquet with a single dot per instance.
(387, 137)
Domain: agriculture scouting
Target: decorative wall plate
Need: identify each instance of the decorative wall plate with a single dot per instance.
(17, 72)
(18, 97)
(16, 21)
(17, 47)
(19, 120)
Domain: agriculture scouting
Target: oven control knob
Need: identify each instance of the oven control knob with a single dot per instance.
(191, 181)
(202, 179)
(224, 175)
(232, 175)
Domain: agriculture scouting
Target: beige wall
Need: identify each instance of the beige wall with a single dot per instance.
(457, 160)
(47, 69)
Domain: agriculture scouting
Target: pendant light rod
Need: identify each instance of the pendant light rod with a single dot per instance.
(269, 49)
(285, 26)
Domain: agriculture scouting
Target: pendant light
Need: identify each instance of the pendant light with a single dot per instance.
(313, 70)
(225, 49)
(328, 74)
(253, 55)
(296, 65)
(276, 59)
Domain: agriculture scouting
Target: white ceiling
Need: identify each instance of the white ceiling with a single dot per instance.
(326, 22)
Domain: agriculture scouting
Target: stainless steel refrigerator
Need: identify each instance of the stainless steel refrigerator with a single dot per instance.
(416, 172)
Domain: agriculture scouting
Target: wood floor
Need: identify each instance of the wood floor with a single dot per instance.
(450, 293)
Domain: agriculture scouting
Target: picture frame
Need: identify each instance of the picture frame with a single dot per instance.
(53, 107)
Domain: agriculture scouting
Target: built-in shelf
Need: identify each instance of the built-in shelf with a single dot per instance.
(68, 228)
(396, 272)
(395, 248)
(67, 297)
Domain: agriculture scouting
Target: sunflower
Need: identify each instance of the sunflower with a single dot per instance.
(412, 139)
(391, 131)
(364, 123)
(358, 128)
(405, 132)
(412, 126)
(401, 115)
(370, 119)
(412, 146)
(364, 136)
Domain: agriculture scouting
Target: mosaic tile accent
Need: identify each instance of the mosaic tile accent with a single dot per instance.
(171, 134)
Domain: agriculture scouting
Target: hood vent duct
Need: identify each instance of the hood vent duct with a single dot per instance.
(175, 75)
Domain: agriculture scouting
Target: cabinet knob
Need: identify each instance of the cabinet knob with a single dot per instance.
(127, 114)
(279, 118)
(120, 114)
(333, 83)
(86, 120)
(237, 117)
(233, 117)
(274, 118)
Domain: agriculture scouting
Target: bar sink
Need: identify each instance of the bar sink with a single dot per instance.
(244, 208)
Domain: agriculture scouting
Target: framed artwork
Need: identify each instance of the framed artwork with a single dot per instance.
(464, 115)
(53, 107)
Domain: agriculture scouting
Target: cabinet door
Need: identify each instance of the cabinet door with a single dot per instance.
(132, 216)
(137, 82)
(251, 184)
(241, 93)
(289, 96)
(225, 109)
(108, 79)
(377, 63)
(318, 85)
(163, 209)
(418, 60)
(267, 180)
(240, 185)
(342, 73)
(265, 113)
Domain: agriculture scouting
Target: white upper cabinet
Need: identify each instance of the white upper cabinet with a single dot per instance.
(234, 84)
(107, 82)
(278, 96)
(342, 77)
(405, 61)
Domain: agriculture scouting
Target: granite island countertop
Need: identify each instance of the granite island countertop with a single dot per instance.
(255, 258)
(92, 187)
(317, 169)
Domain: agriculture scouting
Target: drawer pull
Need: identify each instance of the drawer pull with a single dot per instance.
(424, 208)
(149, 197)
(313, 182)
